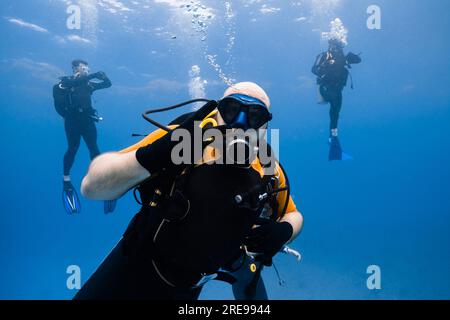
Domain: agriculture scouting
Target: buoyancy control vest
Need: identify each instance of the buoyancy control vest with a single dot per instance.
(194, 224)
(74, 101)
(331, 70)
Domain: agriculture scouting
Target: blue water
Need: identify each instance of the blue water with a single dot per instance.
(389, 206)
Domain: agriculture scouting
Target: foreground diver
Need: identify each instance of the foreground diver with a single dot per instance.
(198, 222)
(73, 101)
(331, 69)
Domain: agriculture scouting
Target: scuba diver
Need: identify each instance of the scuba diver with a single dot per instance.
(201, 219)
(332, 71)
(73, 101)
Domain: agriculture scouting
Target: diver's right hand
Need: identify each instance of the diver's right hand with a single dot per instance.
(157, 156)
(268, 239)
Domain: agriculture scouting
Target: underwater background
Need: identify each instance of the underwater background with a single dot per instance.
(389, 206)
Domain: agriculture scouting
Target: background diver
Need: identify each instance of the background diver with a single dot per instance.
(331, 68)
(73, 101)
(192, 226)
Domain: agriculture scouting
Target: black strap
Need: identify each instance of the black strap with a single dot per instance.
(351, 79)
(250, 290)
(288, 195)
(146, 114)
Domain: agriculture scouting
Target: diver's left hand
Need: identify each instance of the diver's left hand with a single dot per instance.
(157, 155)
(100, 75)
(269, 239)
(353, 58)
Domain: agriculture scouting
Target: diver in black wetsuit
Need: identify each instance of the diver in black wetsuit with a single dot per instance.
(331, 69)
(73, 101)
(199, 220)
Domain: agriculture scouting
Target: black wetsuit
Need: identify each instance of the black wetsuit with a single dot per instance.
(73, 101)
(120, 277)
(332, 74)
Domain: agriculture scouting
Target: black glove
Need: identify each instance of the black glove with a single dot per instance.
(99, 75)
(353, 58)
(269, 239)
(157, 155)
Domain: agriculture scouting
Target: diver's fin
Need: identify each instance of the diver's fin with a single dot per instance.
(336, 153)
(335, 150)
(109, 206)
(70, 199)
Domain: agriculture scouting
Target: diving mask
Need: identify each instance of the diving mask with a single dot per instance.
(81, 70)
(244, 112)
